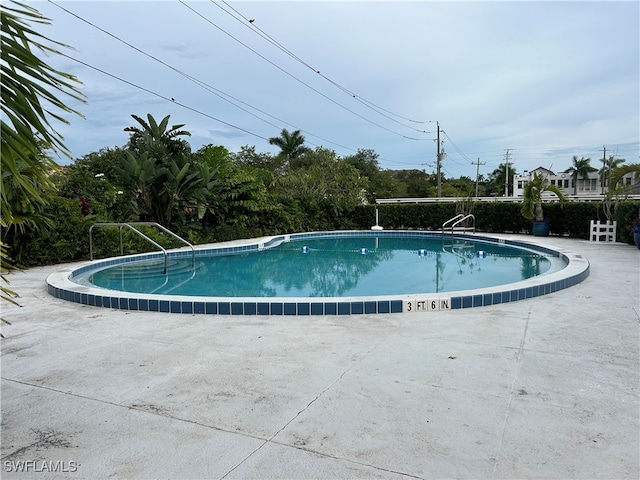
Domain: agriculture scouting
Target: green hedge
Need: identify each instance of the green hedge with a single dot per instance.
(411, 216)
(568, 219)
(68, 239)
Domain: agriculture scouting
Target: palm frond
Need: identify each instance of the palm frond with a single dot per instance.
(618, 172)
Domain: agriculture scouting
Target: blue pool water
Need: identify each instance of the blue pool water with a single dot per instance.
(335, 267)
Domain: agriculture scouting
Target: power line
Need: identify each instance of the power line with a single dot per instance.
(209, 88)
(172, 100)
(296, 78)
(456, 147)
(177, 102)
(378, 109)
(162, 96)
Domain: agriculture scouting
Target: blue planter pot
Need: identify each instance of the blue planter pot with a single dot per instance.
(636, 237)
(541, 229)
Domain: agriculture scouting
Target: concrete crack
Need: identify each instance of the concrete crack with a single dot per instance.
(327, 388)
(137, 408)
(511, 393)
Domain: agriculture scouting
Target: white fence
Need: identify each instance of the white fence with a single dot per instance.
(603, 232)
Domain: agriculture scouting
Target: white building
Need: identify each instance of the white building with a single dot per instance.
(564, 181)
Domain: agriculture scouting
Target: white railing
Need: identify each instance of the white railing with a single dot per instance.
(459, 223)
(139, 233)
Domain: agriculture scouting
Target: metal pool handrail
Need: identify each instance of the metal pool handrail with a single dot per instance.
(457, 220)
(177, 237)
(138, 232)
(451, 220)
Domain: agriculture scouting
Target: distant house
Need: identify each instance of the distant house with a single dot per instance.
(564, 181)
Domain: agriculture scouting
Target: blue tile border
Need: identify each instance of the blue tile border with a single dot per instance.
(211, 308)
(344, 308)
(317, 308)
(304, 309)
(276, 308)
(237, 308)
(68, 290)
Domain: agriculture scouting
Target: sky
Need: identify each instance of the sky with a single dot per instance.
(532, 82)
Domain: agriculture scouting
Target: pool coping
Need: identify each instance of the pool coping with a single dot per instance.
(61, 285)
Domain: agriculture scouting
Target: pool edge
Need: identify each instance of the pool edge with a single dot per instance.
(60, 285)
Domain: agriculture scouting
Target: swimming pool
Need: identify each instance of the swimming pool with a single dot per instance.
(327, 273)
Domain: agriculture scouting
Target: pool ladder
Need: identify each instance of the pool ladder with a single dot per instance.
(460, 223)
(138, 232)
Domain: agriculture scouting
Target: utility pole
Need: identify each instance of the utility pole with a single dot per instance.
(604, 166)
(478, 163)
(438, 161)
(506, 172)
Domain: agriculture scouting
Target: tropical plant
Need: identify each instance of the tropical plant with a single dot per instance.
(324, 190)
(381, 183)
(153, 134)
(247, 156)
(608, 166)
(498, 179)
(24, 190)
(620, 171)
(579, 168)
(291, 144)
(236, 192)
(5, 267)
(156, 170)
(91, 180)
(168, 192)
(26, 81)
(414, 183)
(30, 106)
(532, 195)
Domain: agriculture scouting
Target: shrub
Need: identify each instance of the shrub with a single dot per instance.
(65, 241)
(68, 239)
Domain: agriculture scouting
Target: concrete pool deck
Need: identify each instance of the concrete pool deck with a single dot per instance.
(540, 388)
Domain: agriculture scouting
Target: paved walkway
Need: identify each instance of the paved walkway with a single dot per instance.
(541, 388)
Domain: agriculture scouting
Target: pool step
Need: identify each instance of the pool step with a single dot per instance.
(150, 270)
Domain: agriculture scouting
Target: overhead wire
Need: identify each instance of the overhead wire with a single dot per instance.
(204, 85)
(296, 78)
(455, 146)
(211, 89)
(252, 26)
(161, 96)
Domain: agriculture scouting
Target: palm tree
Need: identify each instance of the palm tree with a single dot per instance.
(498, 178)
(608, 165)
(580, 168)
(532, 197)
(291, 144)
(26, 80)
(620, 171)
